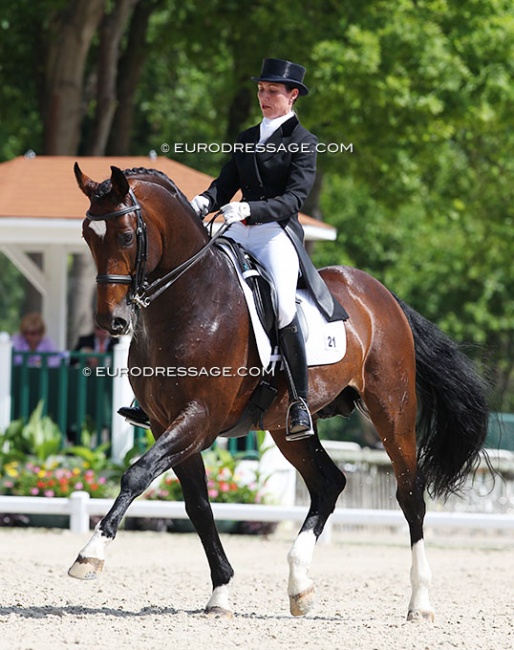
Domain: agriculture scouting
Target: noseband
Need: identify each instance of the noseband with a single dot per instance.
(141, 293)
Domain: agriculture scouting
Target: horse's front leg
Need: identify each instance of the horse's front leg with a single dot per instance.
(175, 445)
(325, 483)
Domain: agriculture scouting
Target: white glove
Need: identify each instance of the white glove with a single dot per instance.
(200, 205)
(236, 211)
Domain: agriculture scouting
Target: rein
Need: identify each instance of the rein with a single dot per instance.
(142, 293)
(152, 291)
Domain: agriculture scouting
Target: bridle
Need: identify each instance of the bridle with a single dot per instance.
(141, 293)
(138, 280)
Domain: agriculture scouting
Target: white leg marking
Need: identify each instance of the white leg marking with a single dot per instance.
(300, 559)
(220, 598)
(421, 577)
(96, 546)
(90, 560)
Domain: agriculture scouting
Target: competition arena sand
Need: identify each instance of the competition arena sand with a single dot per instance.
(155, 585)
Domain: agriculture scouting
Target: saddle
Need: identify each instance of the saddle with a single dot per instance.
(325, 341)
(259, 282)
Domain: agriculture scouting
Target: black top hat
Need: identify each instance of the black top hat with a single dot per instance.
(283, 72)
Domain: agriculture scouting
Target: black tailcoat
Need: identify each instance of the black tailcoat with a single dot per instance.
(275, 177)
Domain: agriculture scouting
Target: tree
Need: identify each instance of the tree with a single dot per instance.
(427, 198)
(421, 89)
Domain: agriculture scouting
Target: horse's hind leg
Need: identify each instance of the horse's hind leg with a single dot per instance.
(325, 483)
(393, 413)
(194, 487)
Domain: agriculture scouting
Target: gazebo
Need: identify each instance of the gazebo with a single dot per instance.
(41, 211)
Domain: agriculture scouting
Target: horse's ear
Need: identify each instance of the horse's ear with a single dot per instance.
(84, 182)
(119, 183)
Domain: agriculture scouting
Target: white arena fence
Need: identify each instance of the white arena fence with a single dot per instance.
(368, 499)
(371, 483)
(80, 507)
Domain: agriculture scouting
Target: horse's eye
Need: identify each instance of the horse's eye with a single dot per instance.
(126, 238)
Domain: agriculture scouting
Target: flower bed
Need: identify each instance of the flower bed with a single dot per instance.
(224, 485)
(54, 479)
(34, 463)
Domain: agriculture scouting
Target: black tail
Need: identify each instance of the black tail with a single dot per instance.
(453, 414)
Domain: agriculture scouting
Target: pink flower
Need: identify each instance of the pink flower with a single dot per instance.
(213, 493)
(34, 491)
(79, 486)
(8, 484)
(49, 493)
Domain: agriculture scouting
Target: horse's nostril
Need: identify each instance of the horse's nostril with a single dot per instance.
(119, 325)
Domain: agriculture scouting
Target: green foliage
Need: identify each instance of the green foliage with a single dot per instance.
(41, 440)
(40, 437)
(12, 293)
(94, 457)
(33, 461)
(423, 90)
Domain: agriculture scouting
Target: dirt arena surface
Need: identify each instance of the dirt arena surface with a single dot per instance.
(155, 585)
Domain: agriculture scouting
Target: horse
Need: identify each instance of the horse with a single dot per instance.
(161, 278)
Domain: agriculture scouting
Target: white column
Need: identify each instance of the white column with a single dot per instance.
(55, 266)
(122, 433)
(280, 475)
(5, 380)
(79, 516)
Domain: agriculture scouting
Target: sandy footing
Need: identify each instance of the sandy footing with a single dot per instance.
(155, 585)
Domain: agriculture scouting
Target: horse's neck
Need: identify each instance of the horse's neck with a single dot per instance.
(182, 237)
(185, 303)
(197, 302)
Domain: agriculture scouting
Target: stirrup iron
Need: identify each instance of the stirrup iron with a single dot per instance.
(301, 430)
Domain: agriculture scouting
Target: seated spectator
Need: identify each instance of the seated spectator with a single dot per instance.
(98, 341)
(31, 338)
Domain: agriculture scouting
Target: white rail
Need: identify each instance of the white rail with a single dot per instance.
(79, 507)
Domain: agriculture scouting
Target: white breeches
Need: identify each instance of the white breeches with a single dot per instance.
(270, 245)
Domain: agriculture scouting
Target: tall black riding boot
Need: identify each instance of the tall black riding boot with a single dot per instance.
(292, 347)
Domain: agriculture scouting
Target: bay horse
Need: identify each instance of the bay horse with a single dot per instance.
(160, 276)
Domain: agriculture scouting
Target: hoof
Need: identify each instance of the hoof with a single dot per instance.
(420, 615)
(301, 604)
(218, 612)
(86, 568)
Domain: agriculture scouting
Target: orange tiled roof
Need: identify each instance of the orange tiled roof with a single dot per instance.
(45, 186)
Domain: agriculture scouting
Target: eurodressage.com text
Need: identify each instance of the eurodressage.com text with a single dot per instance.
(177, 371)
(255, 147)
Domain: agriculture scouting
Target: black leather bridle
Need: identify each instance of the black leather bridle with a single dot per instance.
(138, 280)
(141, 294)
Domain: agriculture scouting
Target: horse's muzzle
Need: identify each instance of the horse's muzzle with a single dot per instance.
(115, 324)
(119, 326)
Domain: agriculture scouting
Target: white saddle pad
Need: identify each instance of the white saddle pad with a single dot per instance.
(325, 342)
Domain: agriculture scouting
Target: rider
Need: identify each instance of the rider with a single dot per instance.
(274, 166)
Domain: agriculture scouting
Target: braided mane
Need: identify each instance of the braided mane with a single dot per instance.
(149, 175)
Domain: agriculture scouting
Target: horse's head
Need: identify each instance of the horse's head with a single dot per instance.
(116, 234)
(142, 232)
